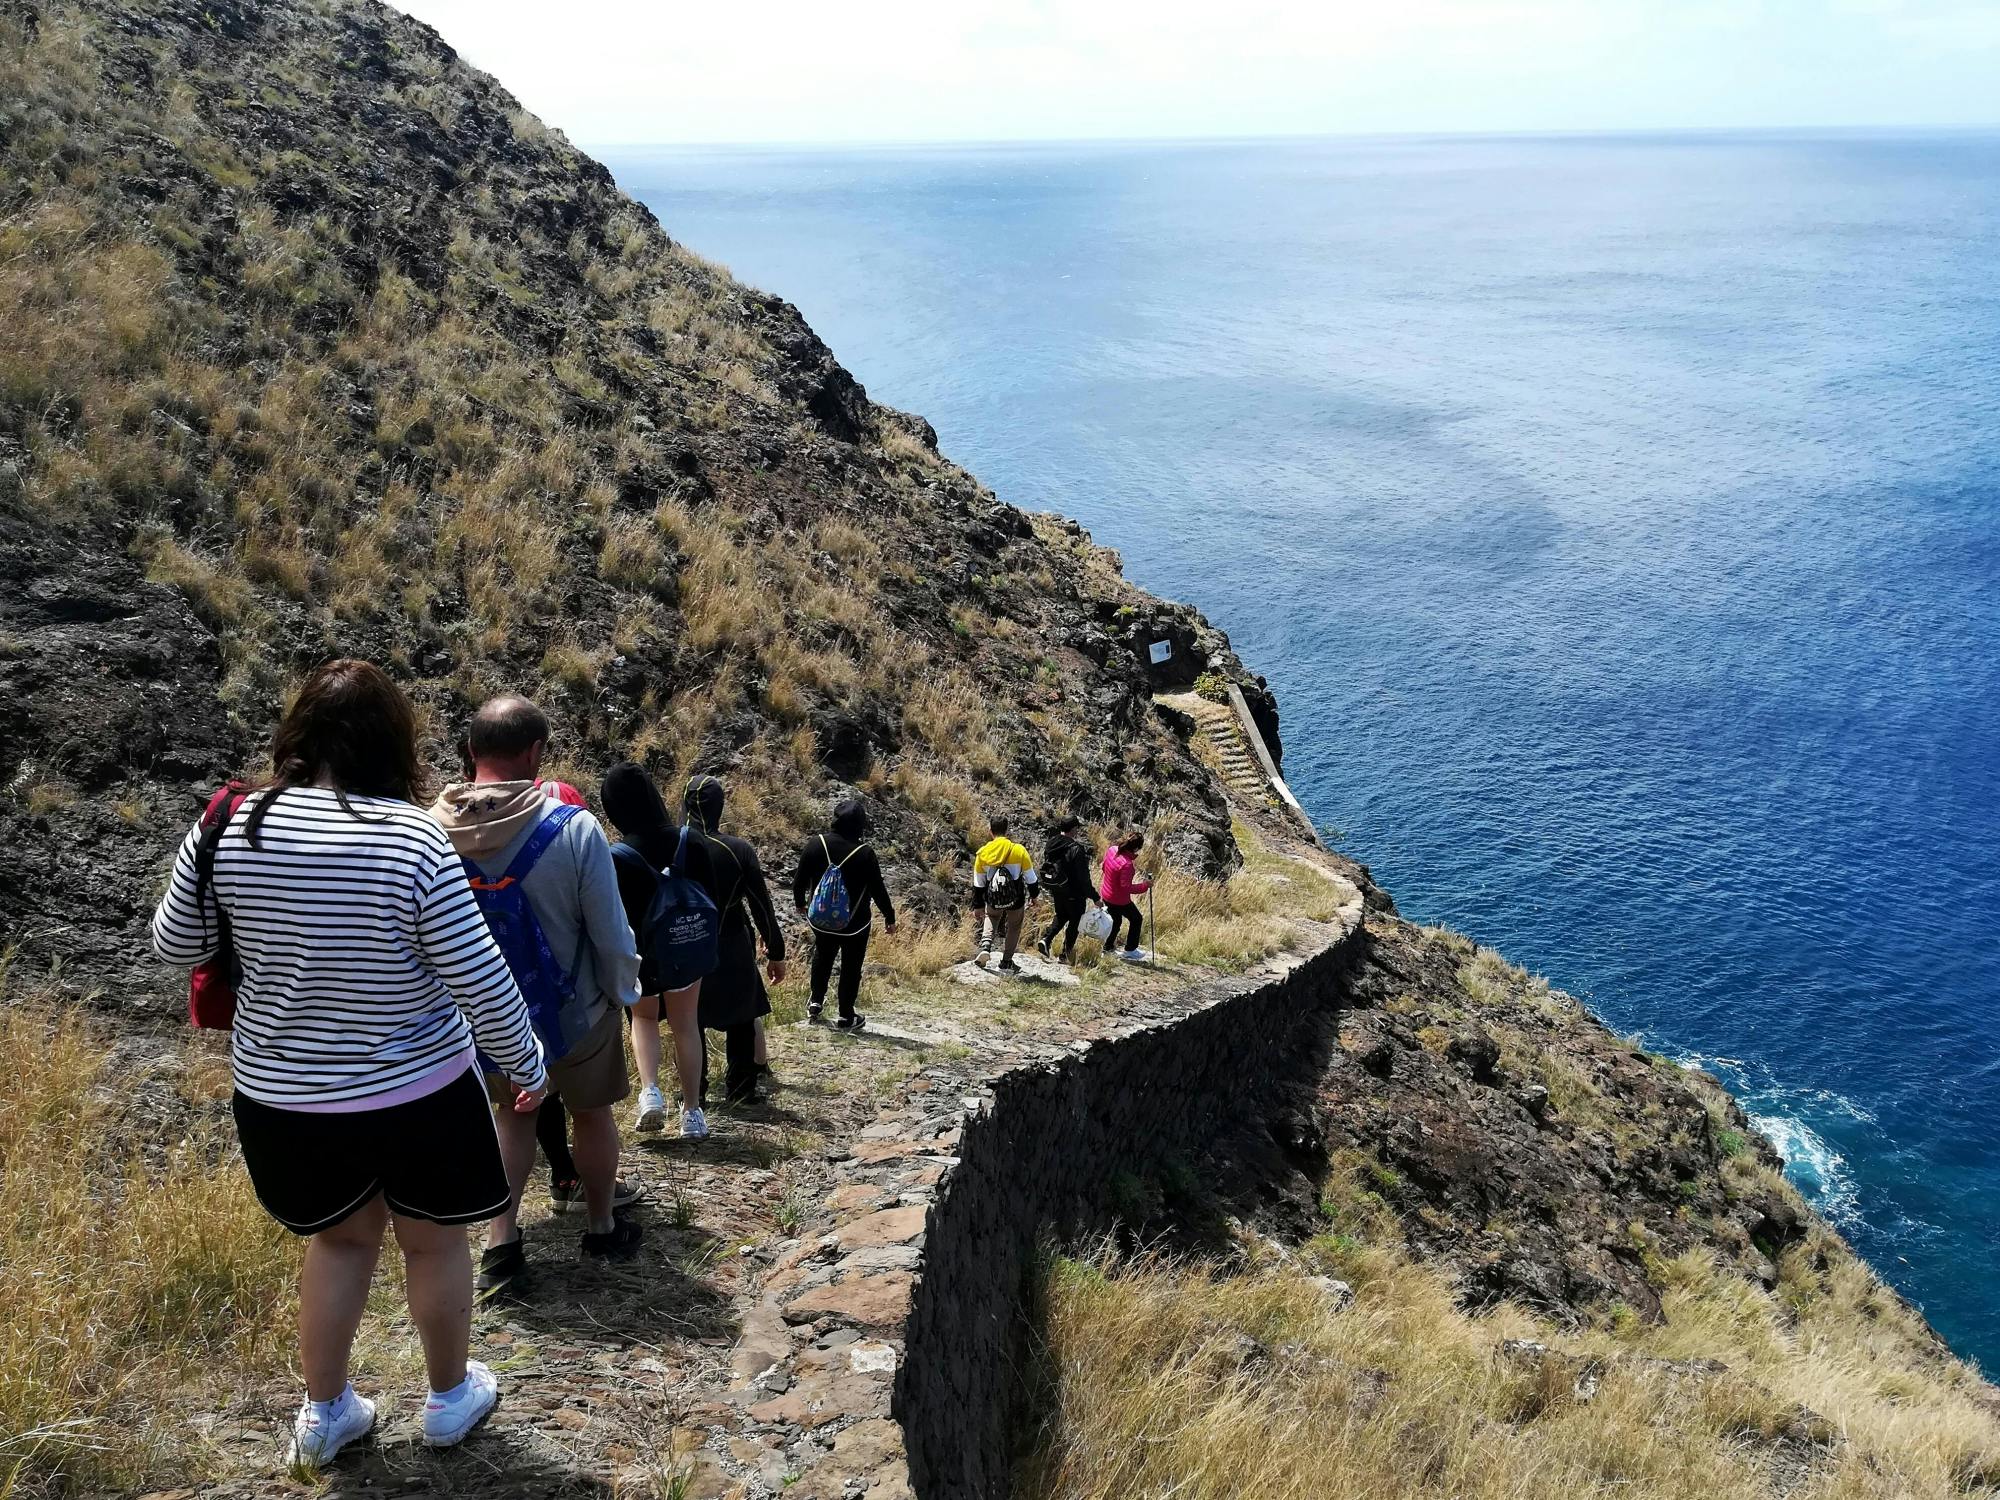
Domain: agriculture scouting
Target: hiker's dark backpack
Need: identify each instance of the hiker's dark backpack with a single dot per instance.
(680, 936)
(545, 984)
(1003, 889)
(1055, 870)
(832, 906)
(213, 984)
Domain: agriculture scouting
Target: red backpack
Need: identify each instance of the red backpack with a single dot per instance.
(212, 985)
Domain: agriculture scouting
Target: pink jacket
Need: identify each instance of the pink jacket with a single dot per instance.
(1121, 882)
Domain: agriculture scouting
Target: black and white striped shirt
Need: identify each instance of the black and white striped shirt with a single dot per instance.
(364, 955)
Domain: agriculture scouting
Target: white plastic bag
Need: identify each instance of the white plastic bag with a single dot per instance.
(1096, 923)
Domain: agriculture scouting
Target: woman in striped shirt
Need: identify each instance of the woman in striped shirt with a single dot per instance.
(368, 979)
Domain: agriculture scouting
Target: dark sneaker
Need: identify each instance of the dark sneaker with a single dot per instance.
(564, 1196)
(619, 1242)
(1042, 946)
(765, 1076)
(1007, 966)
(815, 1014)
(500, 1267)
(855, 1022)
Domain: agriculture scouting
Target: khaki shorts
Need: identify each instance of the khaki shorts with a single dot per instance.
(591, 1075)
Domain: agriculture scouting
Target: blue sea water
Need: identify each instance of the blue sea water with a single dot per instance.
(1617, 518)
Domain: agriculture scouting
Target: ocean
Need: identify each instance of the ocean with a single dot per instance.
(1618, 519)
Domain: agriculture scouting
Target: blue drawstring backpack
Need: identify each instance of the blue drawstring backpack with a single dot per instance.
(832, 907)
(682, 930)
(544, 983)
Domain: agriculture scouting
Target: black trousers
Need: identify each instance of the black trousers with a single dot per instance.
(1068, 912)
(1124, 911)
(739, 1044)
(552, 1130)
(851, 948)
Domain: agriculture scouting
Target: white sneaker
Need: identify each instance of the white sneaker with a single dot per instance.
(652, 1116)
(450, 1416)
(694, 1125)
(1135, 955)
(317, 1435)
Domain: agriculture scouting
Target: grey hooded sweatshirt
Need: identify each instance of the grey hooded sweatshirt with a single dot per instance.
(573, 888)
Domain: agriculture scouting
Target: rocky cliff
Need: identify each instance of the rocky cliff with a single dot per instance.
(316, 344)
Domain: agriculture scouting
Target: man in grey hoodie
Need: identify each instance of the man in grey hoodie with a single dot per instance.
(572, 889)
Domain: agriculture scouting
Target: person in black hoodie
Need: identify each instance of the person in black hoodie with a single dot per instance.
(1066, 876)
(733, 997)
(841, 848)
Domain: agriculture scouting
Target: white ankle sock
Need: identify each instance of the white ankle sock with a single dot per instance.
(327, 1413)
(456, 1394)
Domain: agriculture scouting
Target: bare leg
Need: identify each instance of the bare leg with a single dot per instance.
(595, 1141)
(517, 1153)
(333, 1293)
(763, 1053)
(646, 1041)
(683, 1008)
(437, 1269)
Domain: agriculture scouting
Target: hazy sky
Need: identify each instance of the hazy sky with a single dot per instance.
(621, 71)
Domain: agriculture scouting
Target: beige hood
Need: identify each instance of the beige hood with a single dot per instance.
(485, 817)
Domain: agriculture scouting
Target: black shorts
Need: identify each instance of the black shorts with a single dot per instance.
(435, 1158)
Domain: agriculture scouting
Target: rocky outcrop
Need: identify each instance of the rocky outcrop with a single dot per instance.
(1514, 1138)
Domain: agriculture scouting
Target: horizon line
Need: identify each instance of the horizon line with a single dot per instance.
(880, 143)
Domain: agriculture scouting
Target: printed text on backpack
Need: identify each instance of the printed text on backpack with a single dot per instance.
(681, 934)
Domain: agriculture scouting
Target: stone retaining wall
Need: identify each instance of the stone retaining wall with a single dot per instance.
(1036, 1162)
(886, 1358)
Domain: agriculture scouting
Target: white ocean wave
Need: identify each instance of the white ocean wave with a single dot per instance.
(1815, 1167)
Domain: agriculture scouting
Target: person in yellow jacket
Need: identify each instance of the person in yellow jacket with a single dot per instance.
(1003, 883)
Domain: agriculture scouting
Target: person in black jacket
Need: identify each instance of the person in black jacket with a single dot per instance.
(633, 803)
(841, 848)
(1066, 875)
(733, 997)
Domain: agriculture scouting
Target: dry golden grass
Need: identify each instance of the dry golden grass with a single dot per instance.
(906, 449)
(955, 722)
(1232, 924)
(1404, 1395)
(630, 554)
(127, 1281)
(919, 950)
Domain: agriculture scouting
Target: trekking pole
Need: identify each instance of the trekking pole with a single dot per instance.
(1154, 923)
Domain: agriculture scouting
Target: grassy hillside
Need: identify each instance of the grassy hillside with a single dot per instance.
(312, 342)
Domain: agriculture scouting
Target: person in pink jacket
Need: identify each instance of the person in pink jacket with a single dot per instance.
(1120, 884)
